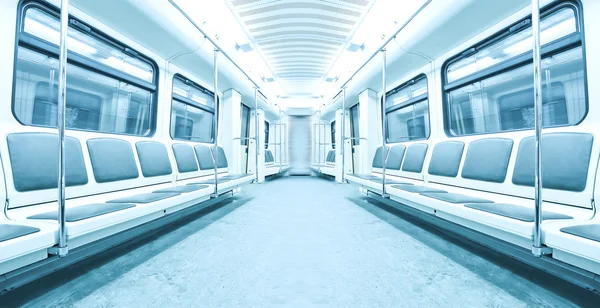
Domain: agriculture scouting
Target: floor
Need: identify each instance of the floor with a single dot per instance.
(300, 242)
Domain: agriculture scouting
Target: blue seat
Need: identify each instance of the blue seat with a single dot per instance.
(9, 232)
(85, 211)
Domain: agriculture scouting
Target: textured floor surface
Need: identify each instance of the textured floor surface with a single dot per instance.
(300, 242)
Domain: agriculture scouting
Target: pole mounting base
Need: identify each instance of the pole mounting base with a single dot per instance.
(58, 251)
(541, 251)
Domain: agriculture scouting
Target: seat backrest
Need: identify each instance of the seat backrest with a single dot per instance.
(565, 161)
(220, 157)
(379, 157)
(154, 158)
(112, 160)
(487, 160)
(204, 156)
(269, 156)
(415, 157)
(185, 158)
(34, 161)
(330, 156)
(395, 157)
(445, 159)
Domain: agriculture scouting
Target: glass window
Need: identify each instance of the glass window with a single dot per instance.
(266, 135)
(407, 111)
(191, 120)
(245, 124)
(354, 118)
(503, 101)
(95, 101)
(333, 134)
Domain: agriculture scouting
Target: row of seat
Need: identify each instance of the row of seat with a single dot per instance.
(271, 166)
(476, 188)
(129, 183)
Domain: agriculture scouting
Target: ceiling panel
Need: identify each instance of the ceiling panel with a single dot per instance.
(299, 39)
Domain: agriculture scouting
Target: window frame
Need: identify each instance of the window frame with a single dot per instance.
(190, 102)
(29, 41)
(563, 44)
(410, 102)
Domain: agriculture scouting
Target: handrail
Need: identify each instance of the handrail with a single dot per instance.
(177, 7)
(256, 135)
(216, 122)
(538, 249)
(62, 249)
(386, 42)
(343, 133)
(384, 120)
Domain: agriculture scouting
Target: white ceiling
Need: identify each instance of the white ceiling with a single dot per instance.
(300, 39)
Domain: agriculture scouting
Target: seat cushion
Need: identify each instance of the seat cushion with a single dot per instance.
(210, 182)
(181, 189)
(445, 159)
(415, 158)
(514, 211)
(418, 189)
(85, 211)
(590, 232)
(9, 232)
(144, 198)
(237, 176)
(487, 159)
(220, 157)
(387, 181)
(154, 158)
(364, 176)
(455, 198)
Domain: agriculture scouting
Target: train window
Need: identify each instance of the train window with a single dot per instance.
(489, 90)
(333, 134)
(354, 118)
(245, 125)
(110, 88)
(192, 115)
(266, 135)
(407, 111)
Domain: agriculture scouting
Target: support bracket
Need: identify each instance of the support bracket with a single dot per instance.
(541, 251)
(58, 251)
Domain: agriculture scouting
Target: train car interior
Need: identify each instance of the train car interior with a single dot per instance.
(299, 153)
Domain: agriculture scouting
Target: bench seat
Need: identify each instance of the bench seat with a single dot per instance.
(517, 212)
(418, 189)
(84, 211)
(144, 198)
(9, 232)
(455, 198)
(590, 232)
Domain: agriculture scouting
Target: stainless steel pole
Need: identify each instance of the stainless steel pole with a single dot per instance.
(343, 141)
(216, 122)
(62, 249)
(256, 130)
(384, 119)
(538, 249)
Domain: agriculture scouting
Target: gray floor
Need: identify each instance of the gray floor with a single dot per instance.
(299, 242)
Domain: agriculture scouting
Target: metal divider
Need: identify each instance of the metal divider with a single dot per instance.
(62, 249)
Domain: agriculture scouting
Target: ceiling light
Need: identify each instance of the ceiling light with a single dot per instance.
(354, 47)
(247, 47)
(332, 79)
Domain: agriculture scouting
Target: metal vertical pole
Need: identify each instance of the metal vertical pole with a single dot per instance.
(319, 126)
(343, 138)
(383, 119)
(62, 249)
(279, 142)
(256, 130)
(216, 122)
(538, 249)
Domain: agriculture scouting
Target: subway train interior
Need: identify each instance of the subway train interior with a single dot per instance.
(299, 153)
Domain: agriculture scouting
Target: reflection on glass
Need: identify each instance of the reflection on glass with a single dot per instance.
(47, 27)
(505, 102)
(193, 93)
(409, 123)
(94, 102)
(408, 92)
(191, 123)
(552, 27)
